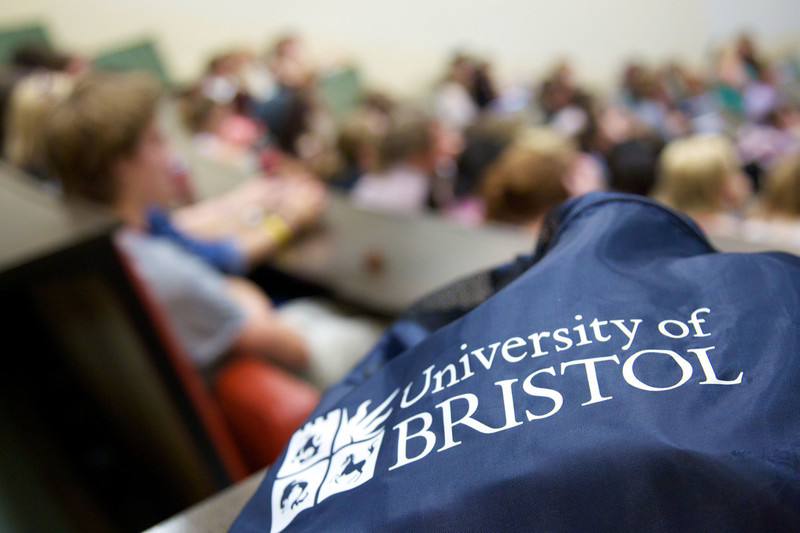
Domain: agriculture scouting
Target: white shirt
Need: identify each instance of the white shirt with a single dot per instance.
(204, 318)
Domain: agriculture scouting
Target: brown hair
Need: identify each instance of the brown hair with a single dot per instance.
(409, 133)
(103, 119)
(781, 189)
(359, 132)
(527, 179)
(195, 110)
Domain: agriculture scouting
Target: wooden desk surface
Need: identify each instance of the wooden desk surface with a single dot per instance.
(385, 261)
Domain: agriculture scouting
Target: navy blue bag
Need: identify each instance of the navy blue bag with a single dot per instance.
(625, 377)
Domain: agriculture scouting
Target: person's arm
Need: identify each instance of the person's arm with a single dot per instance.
(260, 216)
(263, 331)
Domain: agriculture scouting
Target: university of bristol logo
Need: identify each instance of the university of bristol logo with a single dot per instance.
(331, 454)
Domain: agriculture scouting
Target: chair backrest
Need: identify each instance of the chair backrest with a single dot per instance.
(255, 406)
(186, 383)
(100, 385)
(263, 406)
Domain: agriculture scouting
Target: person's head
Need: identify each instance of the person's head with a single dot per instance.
(643, 84)
(220, 65)
(410, 138)
(286, 45)
(30, 105)
(632, 165)
(358, 139)
(528, 179)
(780, 193)
(104, 143)
(485, 140)
(461, 69)
(203, 114)
(701, 174)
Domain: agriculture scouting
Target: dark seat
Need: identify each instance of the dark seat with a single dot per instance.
(253, 406)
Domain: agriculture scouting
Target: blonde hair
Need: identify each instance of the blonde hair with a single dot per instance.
(527, 180)
(103, 119)
(694, 173)
(29, 108)
(781, 190)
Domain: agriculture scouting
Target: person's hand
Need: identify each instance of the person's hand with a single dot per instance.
(303, 202)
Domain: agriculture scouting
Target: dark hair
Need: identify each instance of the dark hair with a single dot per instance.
(33, 55)
(632, 166)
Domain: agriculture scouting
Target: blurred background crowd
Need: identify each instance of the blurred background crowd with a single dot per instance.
(716, 142)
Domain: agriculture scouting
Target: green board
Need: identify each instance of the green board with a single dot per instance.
(142, 56)
(341, 89)
(12, 38)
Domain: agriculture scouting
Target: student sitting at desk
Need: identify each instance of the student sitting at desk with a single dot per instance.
(231, 233)
(702, 177)
(106, 147)
(538, 171)
(407, 159)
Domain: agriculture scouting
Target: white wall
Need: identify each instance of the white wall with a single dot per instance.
(402, 46)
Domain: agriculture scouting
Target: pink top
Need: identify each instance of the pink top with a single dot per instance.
(402, 188)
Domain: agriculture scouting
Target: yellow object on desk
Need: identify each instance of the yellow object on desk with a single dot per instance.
(277, 228)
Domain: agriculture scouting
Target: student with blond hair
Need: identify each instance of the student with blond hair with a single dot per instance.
(776, 217)
(780, 194)
(32, 101)
(701, 177)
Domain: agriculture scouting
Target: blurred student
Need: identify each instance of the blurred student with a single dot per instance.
(218, 130)
(632, 165)
(454, 104)
(538, 171)
(357, 143)
(484, 142)
(701, 176)
(780, 197)
(407, 155)
(290, 63)
(106, 147)
(776, 217)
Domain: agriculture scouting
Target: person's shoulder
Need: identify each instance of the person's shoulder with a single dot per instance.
(163, 261)
(147, 246)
